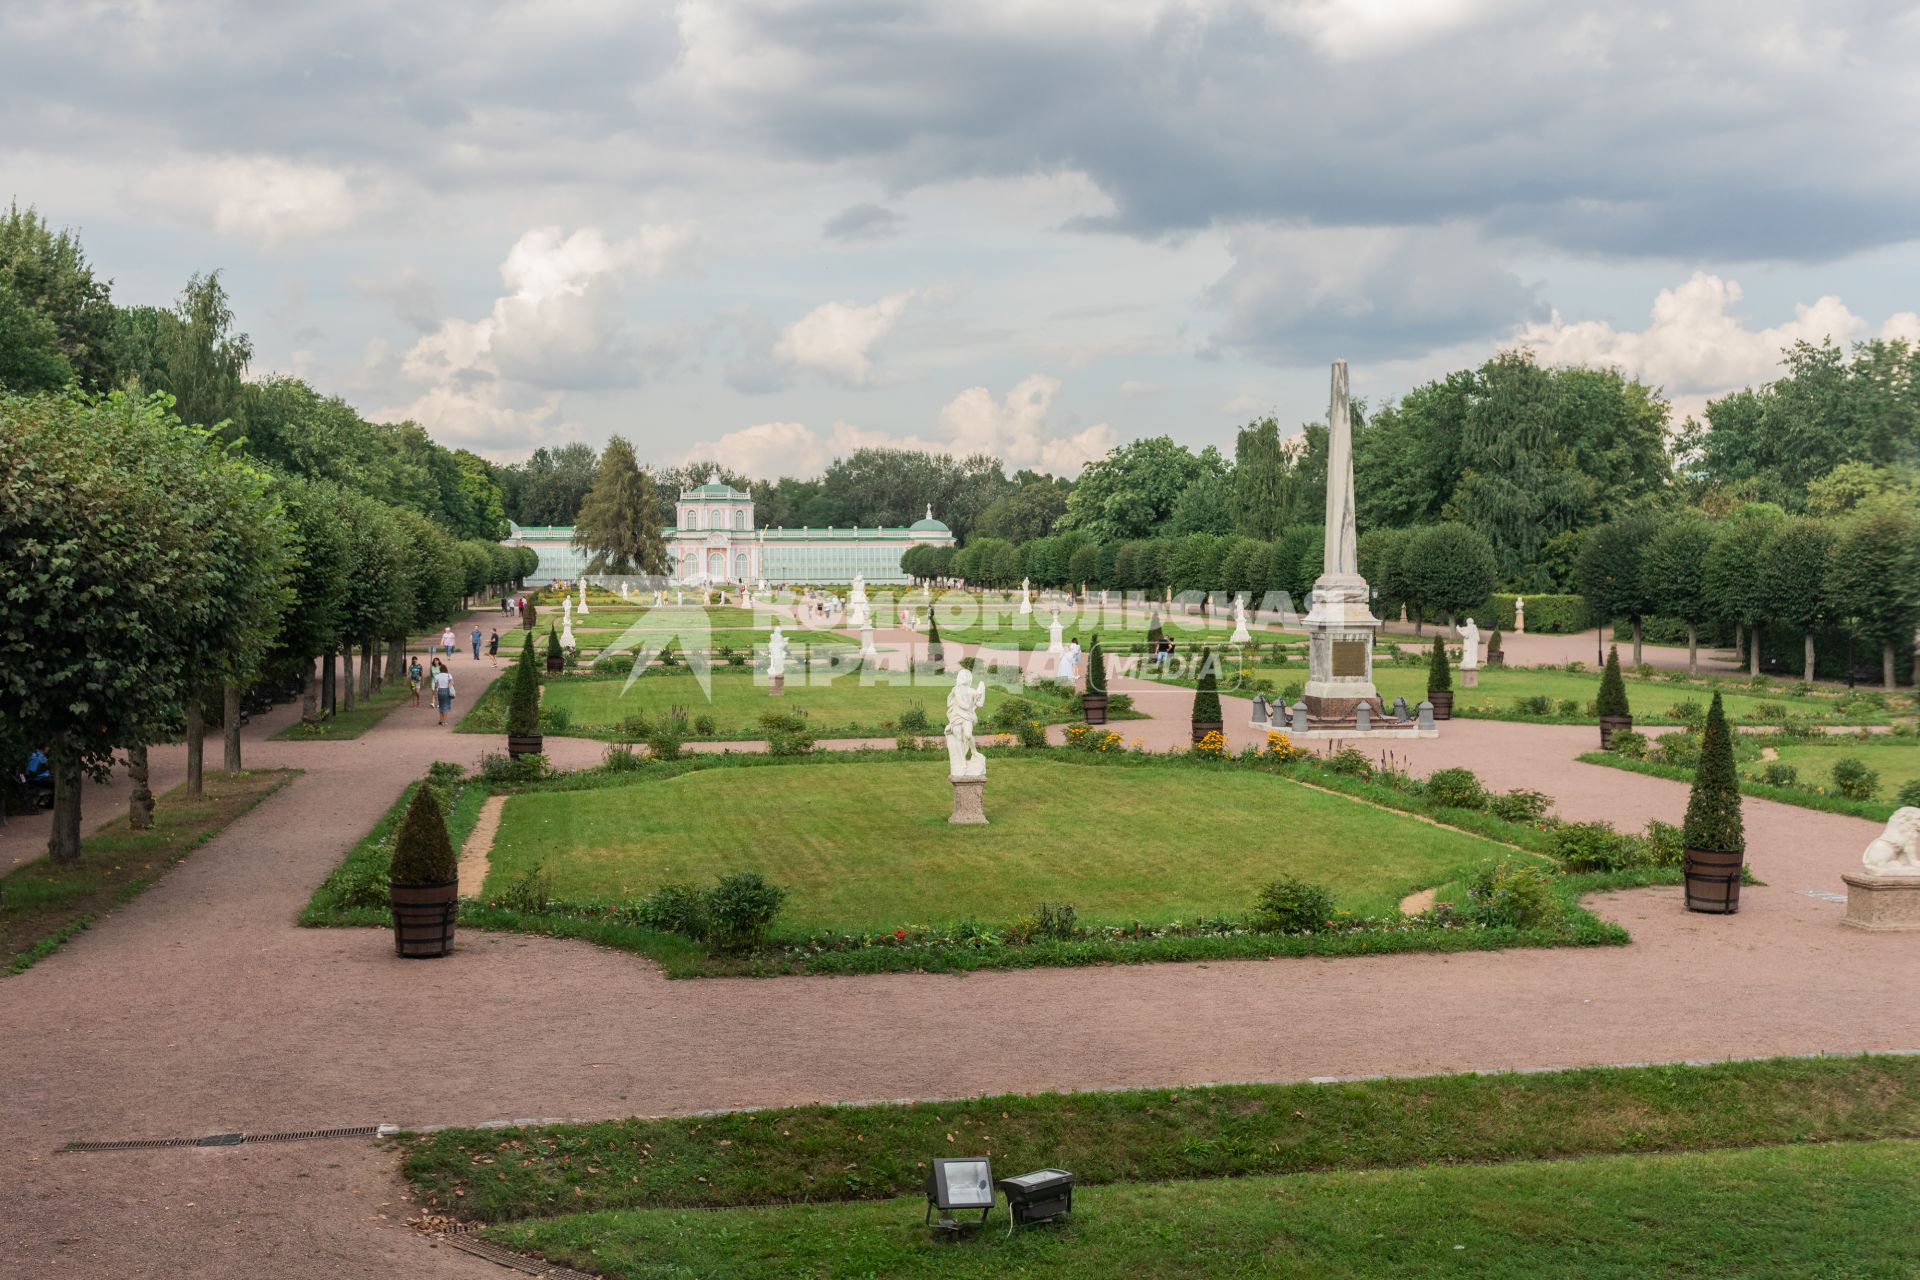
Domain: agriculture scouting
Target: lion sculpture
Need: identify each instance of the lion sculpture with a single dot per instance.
(1897, 851)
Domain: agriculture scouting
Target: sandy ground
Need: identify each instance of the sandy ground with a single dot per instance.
(200, 1008)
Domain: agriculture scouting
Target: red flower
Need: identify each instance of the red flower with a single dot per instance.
(899, 935)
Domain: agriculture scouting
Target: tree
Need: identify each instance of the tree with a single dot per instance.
(1518, 484)
(1130, 493)
(30, 355)
(1084, 565)
(548, 488)
(523, 704)
(1612, 698)
(1205, 506)
(1735, 590)
(1196, 562)
(1451, 568)
(1439, 673)
(1206, 693)
(1380, 551)
(620, 521)
(204, 360)
(46, 275)
(1872, 582)
(1675, 570)
(1793, 568)
(1025, 514)
(316, 614)
(1611, 573)
(1096, 666)
(1713, 820)
(1260, 474)
(422, 853)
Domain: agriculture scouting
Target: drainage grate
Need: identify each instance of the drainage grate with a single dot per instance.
(221, 1140)
(518, 1262)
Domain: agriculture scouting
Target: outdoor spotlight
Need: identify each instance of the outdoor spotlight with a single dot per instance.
(1039, 1196)
(958, 1186)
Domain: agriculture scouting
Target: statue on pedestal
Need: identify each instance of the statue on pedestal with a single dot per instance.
(583, 598)
(1240, 633)
(1026, 597)
(1054, 632)
(1470, 654)
(776, 662)
(964, 701)
(859, 595)
(1519, 615)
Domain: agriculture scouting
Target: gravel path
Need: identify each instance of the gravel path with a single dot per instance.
(199, 1008)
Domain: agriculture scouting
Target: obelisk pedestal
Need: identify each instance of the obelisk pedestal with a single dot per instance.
(1340, 626)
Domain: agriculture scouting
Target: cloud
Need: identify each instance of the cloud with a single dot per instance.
(1300, 295)
(836, 338)
(1903, 325)
(415, 300)
(261, 198)
(863, 222)
(1135, 389)
(1014, 429)
(1695, 343)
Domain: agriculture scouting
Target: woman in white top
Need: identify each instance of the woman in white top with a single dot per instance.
(446, 639)
(443, 692)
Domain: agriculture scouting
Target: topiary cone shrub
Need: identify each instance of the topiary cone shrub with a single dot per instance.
(527, 614)
(523, 706)
(1206, 699)
(423, 885)
(1440, 681)
(1496, 656)
(1093, 703)
(1615, 714)
(934, 654)
(556, 659)
(1714, 834)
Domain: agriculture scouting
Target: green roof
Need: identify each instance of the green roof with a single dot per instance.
(718, 490)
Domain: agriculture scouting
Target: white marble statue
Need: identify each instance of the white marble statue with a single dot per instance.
(964, 701)
(1469, 646)
(1897, 851)
(583, 598)
(859, 588)
(776, 653)
(1240, 633)
(1519, 615)
(1054, 629)
(1026, 597)
(857, 616)
(623, 591)
(866, 642)
(566, 608)
(566, 635)
(679, 597)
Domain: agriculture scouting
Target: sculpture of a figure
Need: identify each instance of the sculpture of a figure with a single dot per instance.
(1026, 596)
(1519, 615)
(566, 608)
(583, 598)
(1240, 633)
(1897, 851)
(860, 588)
(964, 701)
(776, 653)
(1469, 646)
(1054, 629)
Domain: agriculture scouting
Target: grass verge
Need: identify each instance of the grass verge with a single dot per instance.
(1876, 810)
(43, 905)
(345, 725)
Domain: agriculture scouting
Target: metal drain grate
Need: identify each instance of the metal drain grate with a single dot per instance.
(221, 1140)
(518, 1262)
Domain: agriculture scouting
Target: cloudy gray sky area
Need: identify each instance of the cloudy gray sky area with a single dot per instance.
(770, 232)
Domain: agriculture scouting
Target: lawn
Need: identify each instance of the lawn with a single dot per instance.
(620, 627)
(851, 705)
(1896, 760)
(868, 846)
(1652, 700)
(344, 724)
(42, 905)
(1828, 1210)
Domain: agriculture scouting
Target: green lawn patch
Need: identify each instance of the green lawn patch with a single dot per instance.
(343, 725)
(355, 892)
(42, 905)
(1876, 810)
(1896, 760)
(877, 1151)
(1654, 702)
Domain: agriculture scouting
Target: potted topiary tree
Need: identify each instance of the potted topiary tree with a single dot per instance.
(1440, 682)
(423, 886)
(523, 707)
(1496, 657)
(527, 611)
(1093, 703)
(935, 651)
(556, 659)
(1615, 715)
(1714, 836)
(1206, 700)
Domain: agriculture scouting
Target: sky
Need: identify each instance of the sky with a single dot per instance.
(768, 233)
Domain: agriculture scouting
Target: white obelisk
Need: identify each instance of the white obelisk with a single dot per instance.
(1341, 627)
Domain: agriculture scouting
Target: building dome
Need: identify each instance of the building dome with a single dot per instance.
(928, 525)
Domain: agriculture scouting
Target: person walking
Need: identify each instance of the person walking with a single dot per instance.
(443, 692)
(447, 641)
(414, 677)
(475, 637)
(493, 646)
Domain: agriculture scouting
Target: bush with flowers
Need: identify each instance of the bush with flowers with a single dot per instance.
(1280, 748)
(1212, 746)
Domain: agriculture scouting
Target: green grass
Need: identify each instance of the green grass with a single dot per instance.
(1843, 1211)
(1874, 810)
(344, 725)
(1896, 760)
(1651, 700)
(43, 905)
(875, 1151)
(867, 845)
(355, 892)
(851, 705)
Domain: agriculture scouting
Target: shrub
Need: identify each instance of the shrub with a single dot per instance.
(905, 742)
(499, 767)
(790, 742)
(613, 664)
(1439, 674)
(1206, 695)
(1612, 700)
(1538, 704)
(1456, 789)
(1713, 806)
(1663, 844)
(423, 855)
(1625, 742)
(1512, 894)
(703, 725)
(667, 738)
(672, 908)
(1852, 779)
(1568, 707)
(1520, 806)
(1281, 748)
(621, 759)
(1778, 773)
(1595, 846)
(1291, 905)
(914, 719)
(1212, 746)
(531, 894)
(1687, 712)
(1118, 702)
(1681, 750)
(1351, 761)
(1546, 614)
(556, 719)
(773, 720)
(636, 727)
(1031, 733)
(1008, 716)
(1096, 667)
(523, 706)
(1048, 923)
(739, 910)
(554, 653)
(1494, 643)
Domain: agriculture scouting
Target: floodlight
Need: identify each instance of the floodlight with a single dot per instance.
(962, 1185)
(1039, 1196)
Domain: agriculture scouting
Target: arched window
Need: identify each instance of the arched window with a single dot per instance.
(740, 568)
(719, 521)
(739, 518)
(693, 518)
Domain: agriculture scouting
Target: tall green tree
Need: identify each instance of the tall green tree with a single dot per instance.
(1025, 514)
(1611, 573)
(30, 354)
(204, 358)
(1260, 474)
(1452, 568)
(1736, 591)
(620, 520)
(1793, 568)
(1872, 582)
(1518, 483)
(1131, 492)
(1675, 571)
(46, 273)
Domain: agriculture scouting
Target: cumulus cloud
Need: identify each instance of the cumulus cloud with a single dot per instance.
(1304, 294)
(262, 198)
(836, 339)
(863, 222)
(1695, 341)
(1015, 428)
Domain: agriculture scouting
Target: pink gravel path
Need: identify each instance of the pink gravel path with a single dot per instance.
(199, 1008)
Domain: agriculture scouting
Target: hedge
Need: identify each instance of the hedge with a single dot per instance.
(1546, 615)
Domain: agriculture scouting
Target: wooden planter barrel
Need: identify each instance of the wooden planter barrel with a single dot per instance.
(523, 744)
(555, 665)
(1610, 725)
(1496, 658)
(1713, 880)
(1201, 728)
(1442, 700)
(1093, 707)
(423, 917)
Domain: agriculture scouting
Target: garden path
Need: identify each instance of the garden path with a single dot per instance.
(200, 1008)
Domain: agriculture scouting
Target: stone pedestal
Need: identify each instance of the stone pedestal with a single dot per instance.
(1340, 632)
(1469, 677)
(969, 801)
(776, 686)
(1883, 904)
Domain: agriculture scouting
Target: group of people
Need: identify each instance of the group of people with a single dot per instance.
(439, 677)
(513, 605)
(492, 642)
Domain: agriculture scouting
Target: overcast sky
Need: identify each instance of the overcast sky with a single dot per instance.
(770, 232)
